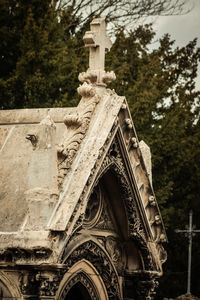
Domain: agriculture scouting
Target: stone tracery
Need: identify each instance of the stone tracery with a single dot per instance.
(90, 251)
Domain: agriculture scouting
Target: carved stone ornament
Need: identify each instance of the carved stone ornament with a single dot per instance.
(91, 76)
(85, 281)
(97, 212)
(105, 221)
(28, 283)
(21, 254)
(85, 90)
(114, 161)
(98, 43)
(94, 209)
(77, 126)
(94, 254)
(114, 249)
(48, 284)
(40, 283)
(145, 287)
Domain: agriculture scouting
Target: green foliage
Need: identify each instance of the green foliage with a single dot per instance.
(40, 58)
(160, 88)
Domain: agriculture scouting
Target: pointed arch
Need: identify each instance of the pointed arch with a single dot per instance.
(8, 288)
(113, 166)
(83, 277)
(90, 250)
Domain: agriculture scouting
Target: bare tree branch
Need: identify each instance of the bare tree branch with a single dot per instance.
(122, 12)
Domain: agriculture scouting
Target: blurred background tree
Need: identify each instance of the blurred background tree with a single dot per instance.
(41, 55)
(160, 88)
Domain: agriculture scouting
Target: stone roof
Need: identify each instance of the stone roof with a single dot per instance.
(50, 160)
(16, 160)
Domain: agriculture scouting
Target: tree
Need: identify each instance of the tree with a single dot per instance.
(41, 54)
(118, 13)
(40, 41)
(35, 57)
(165, 106)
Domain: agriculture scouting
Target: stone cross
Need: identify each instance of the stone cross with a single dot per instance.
(98, 42)
(190, 232)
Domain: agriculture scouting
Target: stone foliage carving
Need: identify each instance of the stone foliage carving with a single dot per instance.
(28, 283)
(145, 286)
(86, 90)
(40, 283)
(92, 76)
(114, 250)
(20, 254)
(48, 285)
(114, 161)
(77, 126)
(93, 253)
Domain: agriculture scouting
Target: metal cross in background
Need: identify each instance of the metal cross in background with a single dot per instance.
(190, 232)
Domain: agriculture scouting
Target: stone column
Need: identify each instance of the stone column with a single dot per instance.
(139, 286)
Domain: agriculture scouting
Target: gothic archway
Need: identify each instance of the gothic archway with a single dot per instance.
(4, 291)
(113, 167)
(81, 281)
(79, 286)
(78, 291)
(8, 290)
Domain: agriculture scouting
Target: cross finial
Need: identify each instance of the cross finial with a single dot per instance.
(98, 42)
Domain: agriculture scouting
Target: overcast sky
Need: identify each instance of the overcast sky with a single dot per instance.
(182, 28)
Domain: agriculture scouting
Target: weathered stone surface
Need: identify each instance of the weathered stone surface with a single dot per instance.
(78, 209)
(146, 153)
(25, 163)
(35, 115)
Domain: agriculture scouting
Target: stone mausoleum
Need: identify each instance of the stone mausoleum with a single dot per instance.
(78, 218)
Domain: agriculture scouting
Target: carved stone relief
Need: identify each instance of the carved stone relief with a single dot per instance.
(105, 221)
(77, 125)
(94, 208)
(40, 283)
(28, 283)
(114, 161)
(93, 173)
(98, 214)
(145, 287)
(84, 280)
(24, 255)
(94, 254)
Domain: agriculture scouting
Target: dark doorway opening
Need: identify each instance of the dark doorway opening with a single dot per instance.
(78, 292)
